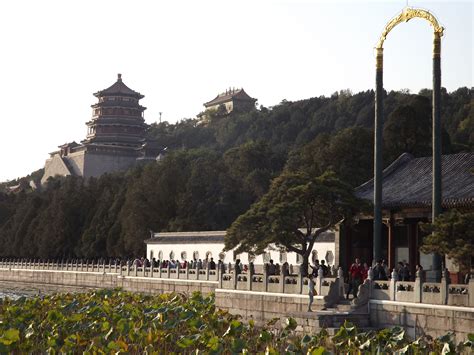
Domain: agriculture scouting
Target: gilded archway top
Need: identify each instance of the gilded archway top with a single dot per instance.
(407, 14)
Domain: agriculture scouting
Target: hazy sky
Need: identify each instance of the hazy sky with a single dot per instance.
(179, 54)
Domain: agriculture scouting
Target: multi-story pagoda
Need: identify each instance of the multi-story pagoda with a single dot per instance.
(117, 119)
(115, 141)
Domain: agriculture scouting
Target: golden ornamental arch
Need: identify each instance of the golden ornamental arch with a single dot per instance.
(407, 14)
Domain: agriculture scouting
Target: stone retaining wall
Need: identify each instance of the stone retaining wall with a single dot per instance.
(105, 280)
(434, 320)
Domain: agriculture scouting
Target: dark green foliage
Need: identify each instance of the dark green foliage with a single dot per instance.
(452, 234)
(293, 214)
(105, 322)
(216, 170)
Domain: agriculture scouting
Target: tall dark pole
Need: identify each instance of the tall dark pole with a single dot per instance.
(377, 253)
(435, 275)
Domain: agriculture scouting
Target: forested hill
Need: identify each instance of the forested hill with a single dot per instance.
(213, 172)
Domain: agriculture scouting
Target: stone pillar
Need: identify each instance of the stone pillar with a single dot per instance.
(470, 290)
(128, 268)
(197, 270)
(178, 269)
(417, 292)
(135, 268)
(378, 162)
(207, 271)
(444, 289)
(393, 285)
(250, 276)
(234, 278)
(144, 268)
(319, 281)
(220, 273)
(435, 274)
(265, 278)
(151, 268)
(340, 278)
(281, 286)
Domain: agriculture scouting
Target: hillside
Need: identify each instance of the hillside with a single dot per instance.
(215, 171)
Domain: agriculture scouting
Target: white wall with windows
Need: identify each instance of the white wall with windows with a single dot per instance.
(193, 245)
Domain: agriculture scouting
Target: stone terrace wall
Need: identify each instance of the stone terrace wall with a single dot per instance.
(418, 319)
(96, 280)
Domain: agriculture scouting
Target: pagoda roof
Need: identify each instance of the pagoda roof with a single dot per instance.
(119, 88)
(407, 182)
(229, 95)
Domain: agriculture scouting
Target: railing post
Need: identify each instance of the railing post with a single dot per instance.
(135, 268)
(234, 277)
(444, 289)
(370, 276)
(281, 286)
(265, 277)
(187, 270)
(393, 285)
(340, 277)
(160, 264)
(128, 267)
(168, 268)
(220, 273)
(198, 269)
(470, 291)
(300, 281)
(319, 281)
(250, 276)
(178, 269)
(417, 292)
(207, 271)
(152, 266)
(144, 268)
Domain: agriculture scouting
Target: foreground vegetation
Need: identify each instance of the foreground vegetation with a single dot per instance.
(122, 322)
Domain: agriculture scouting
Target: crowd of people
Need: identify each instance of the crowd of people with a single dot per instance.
(358, 273)
(173, 264)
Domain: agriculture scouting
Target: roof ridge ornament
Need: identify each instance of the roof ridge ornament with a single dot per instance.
(119, 77)
(406, 15)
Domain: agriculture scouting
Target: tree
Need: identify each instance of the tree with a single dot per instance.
(452, 234)
(297, 209)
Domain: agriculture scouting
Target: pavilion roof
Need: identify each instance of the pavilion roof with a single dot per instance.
(119, 88)
(229, 95)
(407, 182)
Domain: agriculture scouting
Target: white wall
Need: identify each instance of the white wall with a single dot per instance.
(322, 250)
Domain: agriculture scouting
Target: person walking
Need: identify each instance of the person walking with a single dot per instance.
(355, 278)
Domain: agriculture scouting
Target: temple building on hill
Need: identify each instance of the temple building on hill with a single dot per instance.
(115, 141)
(232, 100)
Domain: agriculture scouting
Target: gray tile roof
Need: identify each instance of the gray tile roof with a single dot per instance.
(407, 182)
(119, 88)
(187, 237)
(229, 96)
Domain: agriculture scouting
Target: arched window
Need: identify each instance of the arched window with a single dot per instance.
(151, 254)
(221, 256)
(171, 255)
(329, 257)
(184, 255)
(314, 256)
(208, 255)
(283, 257)
(160, 255)
(266, 257)
(196, 255)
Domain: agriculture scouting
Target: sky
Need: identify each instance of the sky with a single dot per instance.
(55, 54)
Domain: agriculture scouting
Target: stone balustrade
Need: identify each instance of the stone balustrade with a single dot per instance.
(112, 267)
(418, 291)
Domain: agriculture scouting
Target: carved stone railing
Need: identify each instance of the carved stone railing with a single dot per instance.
(112, 267)
(438, 293)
